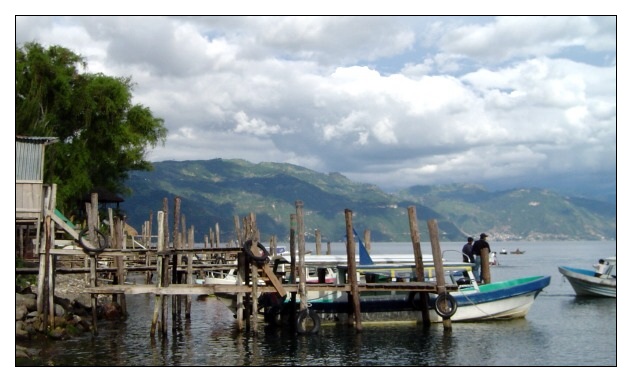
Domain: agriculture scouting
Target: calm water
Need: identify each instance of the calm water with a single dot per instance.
(560, 329)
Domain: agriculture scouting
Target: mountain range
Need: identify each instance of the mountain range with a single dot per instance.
(214, 192)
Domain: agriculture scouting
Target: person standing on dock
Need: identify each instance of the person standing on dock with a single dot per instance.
(476, 251)
(467, 251)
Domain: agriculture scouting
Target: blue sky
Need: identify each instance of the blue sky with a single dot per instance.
(522, 101)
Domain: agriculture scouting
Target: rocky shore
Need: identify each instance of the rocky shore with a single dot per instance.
(73, 314)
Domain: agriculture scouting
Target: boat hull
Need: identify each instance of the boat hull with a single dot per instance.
(496, 301)
(504, 309)
(584, 283)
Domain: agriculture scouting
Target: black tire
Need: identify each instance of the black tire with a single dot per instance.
(88, 246)
(445, 305)
(308, 322)
(259, 257)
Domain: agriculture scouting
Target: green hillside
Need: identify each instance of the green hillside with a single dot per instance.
(215, 191)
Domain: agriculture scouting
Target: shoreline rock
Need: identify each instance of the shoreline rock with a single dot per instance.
(73, 313)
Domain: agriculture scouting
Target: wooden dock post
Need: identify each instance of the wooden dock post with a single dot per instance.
(317, 237)
(485, 273)
(120, 264)
(433, 230)
(241, 275)
(352, 277)
(147, 243)
(419, 264)
(238, 235)
(293, 266)
(92, 220)
(254, 271)
(187, 312)
(177, 244)
(50, 290)
(251, 303)
(164, 272)
(301, 255)
(159, 273)
(217, 240)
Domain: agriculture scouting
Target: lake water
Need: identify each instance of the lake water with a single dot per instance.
(560, 330)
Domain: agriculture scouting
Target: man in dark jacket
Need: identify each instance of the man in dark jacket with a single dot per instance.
(467, 251)
(476, 251)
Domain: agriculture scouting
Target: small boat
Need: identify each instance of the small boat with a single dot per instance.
(593, 282)
(503, 251)
(470, 302)
(501, 300)
(517, 252)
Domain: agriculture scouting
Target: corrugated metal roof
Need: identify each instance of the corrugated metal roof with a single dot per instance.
(29, 157)
(41, 140)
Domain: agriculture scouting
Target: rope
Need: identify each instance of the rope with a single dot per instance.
(474, 304)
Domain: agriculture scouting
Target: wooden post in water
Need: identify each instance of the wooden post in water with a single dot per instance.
(302, 292)
(419, 263)
(293, 265)
(253, 233)
(187, 312)
(177, 244)
(164, 273)
(237, 230)
(433, 229)
(93, 296)
(254, 271)
(147, 243)
(317, 238)
(485, 274)
(116, 244)
(150, 222)
(254, 274)
(93, 225)
(321, 271)
(120, 263)
(352, 277)
(241, 274)
(273, 246)
(159, 276)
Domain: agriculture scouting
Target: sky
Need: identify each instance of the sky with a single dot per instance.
(394, 101)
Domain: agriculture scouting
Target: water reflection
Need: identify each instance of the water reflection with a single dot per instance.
(560, 330)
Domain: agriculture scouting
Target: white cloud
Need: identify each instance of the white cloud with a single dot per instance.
(394, 101)
(253, 126)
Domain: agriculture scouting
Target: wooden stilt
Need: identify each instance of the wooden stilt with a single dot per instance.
(352, 277)
(419, 264)
(433, 230)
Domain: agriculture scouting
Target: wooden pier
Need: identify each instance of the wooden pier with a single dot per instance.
(170, 271)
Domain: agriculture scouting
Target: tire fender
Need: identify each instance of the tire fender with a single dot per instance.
(304, 316)
(88, 246)
(258, 257)
(445, 305)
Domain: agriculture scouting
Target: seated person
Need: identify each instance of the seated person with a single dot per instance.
(601, 268)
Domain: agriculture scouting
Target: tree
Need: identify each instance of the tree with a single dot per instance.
(102, 134)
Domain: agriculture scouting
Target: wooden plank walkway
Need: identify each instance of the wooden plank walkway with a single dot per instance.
(186, 289)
